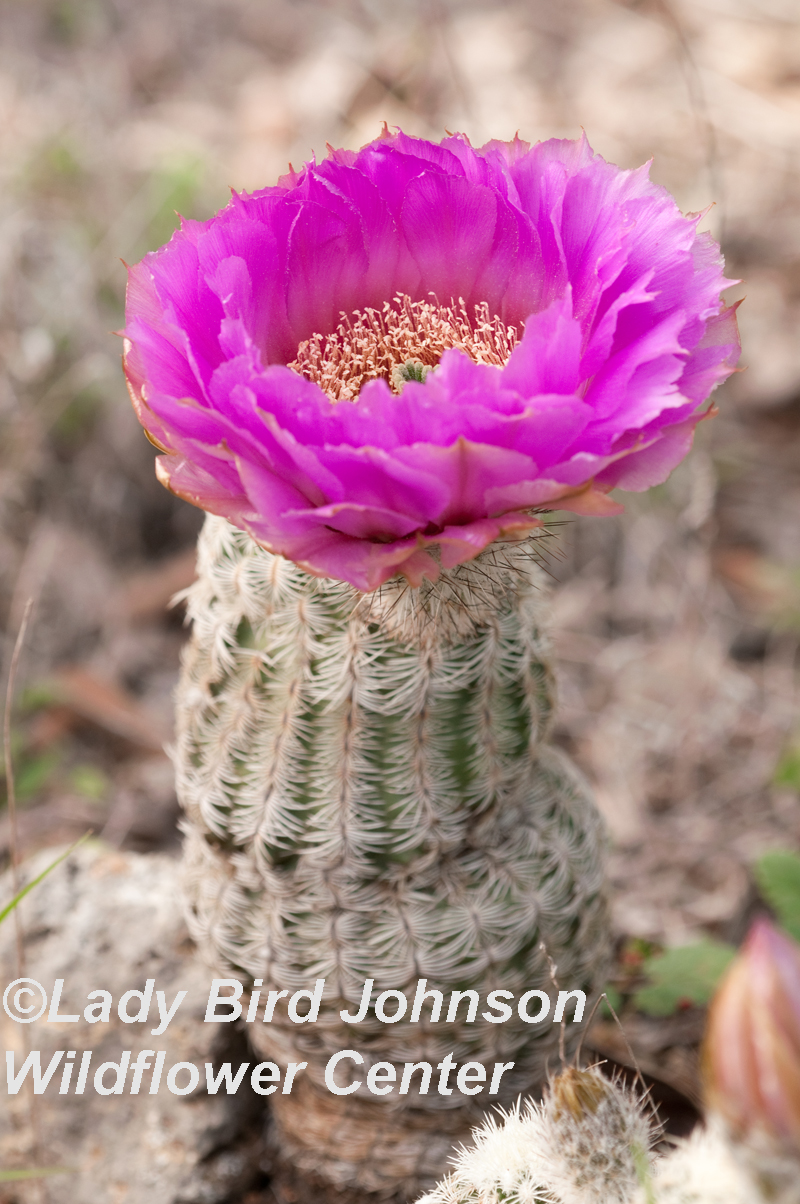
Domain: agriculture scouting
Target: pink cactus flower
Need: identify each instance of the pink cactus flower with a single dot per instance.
(752, 1049)
(399, 355)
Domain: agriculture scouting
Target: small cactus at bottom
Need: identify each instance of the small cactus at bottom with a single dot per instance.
(589, 1141)
(599, 1136)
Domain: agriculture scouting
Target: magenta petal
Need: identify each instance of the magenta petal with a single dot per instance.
(276, 505)
(364, 564)
(158, 357)
(261, 246)
(359, 521)
(548, 358)
(525, 495)
(638, 470)
(449, 225)
(615, 297)
(389, 264)
(714, 357)
(601, 340)
(200, 487)
(465, 542)
(183, 293)
(639, 381)
(383, 481)
(326, 257)
(467, 470)
(326, 553)
(550, 426)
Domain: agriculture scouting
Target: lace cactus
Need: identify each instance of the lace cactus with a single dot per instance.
(382, 369)
(368, 795)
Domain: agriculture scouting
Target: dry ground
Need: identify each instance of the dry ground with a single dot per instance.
(676, 625)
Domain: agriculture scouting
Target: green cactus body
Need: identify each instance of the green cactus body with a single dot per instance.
(369, 795)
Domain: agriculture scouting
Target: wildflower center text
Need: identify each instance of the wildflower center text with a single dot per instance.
(25, 1000)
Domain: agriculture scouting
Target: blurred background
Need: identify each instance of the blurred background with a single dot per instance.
(676, 624)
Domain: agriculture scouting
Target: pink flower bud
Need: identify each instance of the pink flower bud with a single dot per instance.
(752, 1053)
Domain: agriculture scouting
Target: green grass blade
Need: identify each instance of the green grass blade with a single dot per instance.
(9, 907)
(36, 1173)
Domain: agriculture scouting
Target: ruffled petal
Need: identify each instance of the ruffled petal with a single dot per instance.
(615, 297)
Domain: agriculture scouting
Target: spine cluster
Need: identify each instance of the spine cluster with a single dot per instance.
(588, 1142)
(593, 1141)
(369, 794)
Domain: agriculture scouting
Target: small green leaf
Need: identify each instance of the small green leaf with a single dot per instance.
(777, 876)
(686, 975)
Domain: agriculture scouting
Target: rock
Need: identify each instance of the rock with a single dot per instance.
(108, 921)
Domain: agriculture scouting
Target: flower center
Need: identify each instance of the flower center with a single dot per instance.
(401, 342)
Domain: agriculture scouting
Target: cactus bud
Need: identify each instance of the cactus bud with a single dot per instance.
(751, 1062)
(752, 1051)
